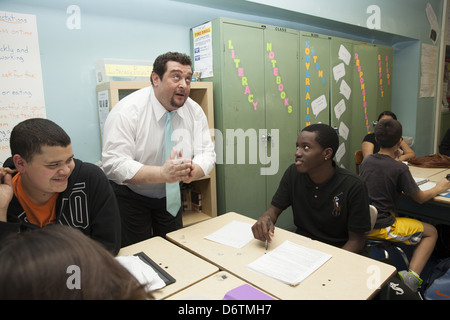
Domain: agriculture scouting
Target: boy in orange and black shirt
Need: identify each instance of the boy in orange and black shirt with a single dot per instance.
(50, 186)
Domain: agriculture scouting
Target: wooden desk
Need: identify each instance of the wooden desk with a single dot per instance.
(212, 288)
(434, 175)
(185, 267)
(344, 276)
(419, 172)
(435, 211)
(436, 178)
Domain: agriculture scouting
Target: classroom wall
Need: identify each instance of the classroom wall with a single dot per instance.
(142, 29)
(403, 25)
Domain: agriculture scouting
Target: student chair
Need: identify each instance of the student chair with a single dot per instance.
(383, 245)
(358, 159)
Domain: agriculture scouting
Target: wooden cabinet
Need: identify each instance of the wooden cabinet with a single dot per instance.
(201, 92)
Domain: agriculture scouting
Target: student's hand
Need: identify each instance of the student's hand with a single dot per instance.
(398, 153)
(6, 191)
(176, 168)
(443, 185)
(260, 230)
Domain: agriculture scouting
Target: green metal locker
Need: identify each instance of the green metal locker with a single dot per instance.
(256, 111)
(270, 82)
(385, 62)
(315, 77)
(352, 92)
(342, 87)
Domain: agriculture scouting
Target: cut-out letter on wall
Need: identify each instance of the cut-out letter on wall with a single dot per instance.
(374, 20)
(74, 20)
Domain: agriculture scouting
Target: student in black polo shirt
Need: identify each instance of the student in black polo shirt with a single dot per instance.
(330, 204)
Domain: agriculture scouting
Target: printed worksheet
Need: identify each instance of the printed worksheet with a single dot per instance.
(289, 263)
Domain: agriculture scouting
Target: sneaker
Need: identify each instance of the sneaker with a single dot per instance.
(410, 280)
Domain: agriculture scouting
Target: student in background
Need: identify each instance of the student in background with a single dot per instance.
(59, 262)
(370, 145)
(51, 187)
(386, 180)
(329, 203)
(134, 149)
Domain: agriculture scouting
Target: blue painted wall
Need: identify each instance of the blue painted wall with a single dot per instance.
(143, 29)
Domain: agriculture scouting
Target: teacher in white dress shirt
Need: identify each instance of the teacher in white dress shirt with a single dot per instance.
(134, 147)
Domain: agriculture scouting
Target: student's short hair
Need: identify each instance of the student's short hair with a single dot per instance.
(326, 136)
(388, 132)
(160, 64)
(29, 136)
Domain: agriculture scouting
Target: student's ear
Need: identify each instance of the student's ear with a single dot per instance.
(327, 153)
(19, 163)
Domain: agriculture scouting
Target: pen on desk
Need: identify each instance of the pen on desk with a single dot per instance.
(268, 229)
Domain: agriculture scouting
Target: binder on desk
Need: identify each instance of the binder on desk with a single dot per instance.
(246, 292)
(167, 278)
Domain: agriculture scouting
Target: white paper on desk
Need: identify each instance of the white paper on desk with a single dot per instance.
(420, 181)
(236, 234)
(289, 263)
(428, 185)
(142, 272)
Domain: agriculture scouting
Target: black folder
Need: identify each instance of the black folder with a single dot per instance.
(167, 278)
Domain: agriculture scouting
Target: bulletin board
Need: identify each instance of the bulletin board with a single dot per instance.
(21, 87)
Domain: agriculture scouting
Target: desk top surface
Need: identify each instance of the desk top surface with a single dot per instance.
(214, 287)
(420, 172)
(185, 267)
(432, 174)
(357, 274)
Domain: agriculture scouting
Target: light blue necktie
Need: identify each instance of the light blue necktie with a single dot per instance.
(173, 199)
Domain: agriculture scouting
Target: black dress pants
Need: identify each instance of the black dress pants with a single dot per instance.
(143, 217)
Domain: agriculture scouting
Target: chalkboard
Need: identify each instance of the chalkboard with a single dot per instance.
(21, 87)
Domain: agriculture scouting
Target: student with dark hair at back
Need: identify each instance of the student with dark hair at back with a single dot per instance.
(61, 263)
(42, 184)
(370, 145)
(386, 180)
(329, 203)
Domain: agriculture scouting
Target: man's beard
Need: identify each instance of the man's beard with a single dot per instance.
(174, 104)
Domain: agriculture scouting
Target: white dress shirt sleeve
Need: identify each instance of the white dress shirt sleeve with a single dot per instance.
(119, 148)
(204, 154)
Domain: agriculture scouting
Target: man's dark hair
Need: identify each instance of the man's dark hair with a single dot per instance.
(388, 132)
(160, 64)
(29, 136)
(326, 136)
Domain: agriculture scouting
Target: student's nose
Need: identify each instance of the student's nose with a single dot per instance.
(66, 169)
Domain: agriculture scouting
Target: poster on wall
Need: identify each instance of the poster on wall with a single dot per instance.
(428, 70)
(21, 88)
(103, 109)
(202, 43)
